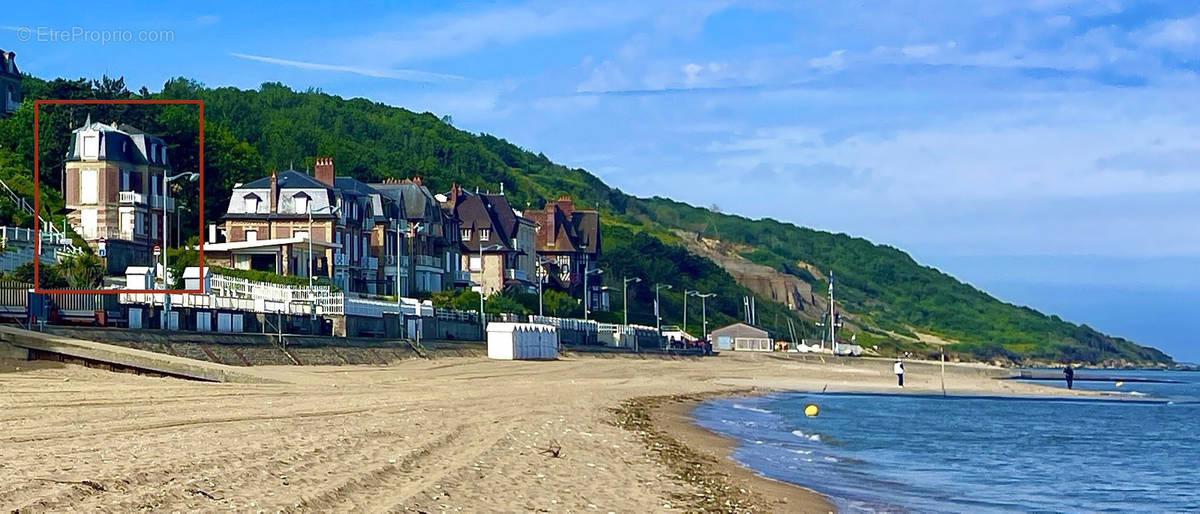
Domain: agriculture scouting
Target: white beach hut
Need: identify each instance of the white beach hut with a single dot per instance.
(522, 341)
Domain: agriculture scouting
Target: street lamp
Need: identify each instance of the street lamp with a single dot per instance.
(658, 306)
(587, 297)
(190, 176)
(686, 294)
(703, 309)
(625, 298)
(333, 210)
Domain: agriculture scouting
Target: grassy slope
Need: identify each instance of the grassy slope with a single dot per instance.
(881, 284)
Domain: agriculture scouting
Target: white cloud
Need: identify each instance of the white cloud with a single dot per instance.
(836, 60)
(398, 74)
(1180, 34)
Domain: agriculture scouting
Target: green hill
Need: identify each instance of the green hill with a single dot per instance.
(890, 300)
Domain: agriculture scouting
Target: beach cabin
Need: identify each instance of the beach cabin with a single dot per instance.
(522, 341)
(743, 337)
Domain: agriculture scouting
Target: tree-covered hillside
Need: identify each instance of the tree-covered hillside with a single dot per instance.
(250, 132)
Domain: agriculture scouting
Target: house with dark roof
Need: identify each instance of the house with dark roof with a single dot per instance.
(114, 191)
(568, 245)
(271, 224)
(430, 242)
(497, 241)
(10, 83)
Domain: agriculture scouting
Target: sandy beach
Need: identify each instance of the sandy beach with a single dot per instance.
(425, 435)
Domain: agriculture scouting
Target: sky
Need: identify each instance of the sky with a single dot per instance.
(1046, 151)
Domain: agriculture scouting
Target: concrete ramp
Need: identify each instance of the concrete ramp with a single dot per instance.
(29, 344)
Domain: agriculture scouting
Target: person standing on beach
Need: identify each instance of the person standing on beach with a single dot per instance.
(898, 368)
(1069, 373)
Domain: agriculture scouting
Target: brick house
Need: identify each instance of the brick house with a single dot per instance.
(113, 190)
(568, 244)
(267, 227)
(488, 222)
(430, 253)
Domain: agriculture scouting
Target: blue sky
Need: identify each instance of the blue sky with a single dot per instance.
(1046, 151)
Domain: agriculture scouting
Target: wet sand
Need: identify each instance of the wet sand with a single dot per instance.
(448, 434)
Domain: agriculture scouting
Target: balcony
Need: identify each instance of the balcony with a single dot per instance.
(108, 233)
(516, 274)
(130, 197)
(372, 263)
(428, 261)
(462, 277)
(389, 260)
(341, 259)
(156, 202)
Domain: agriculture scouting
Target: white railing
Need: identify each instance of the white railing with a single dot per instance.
(130, 197)
(341, 259)
(370, 308)
(390, 260)
(516, 274)
(462, 276)
(268, 297)
(428, 260)
(372, 263)
(156, 202)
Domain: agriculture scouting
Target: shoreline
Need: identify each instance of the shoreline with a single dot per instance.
(704, 459)
(459, 432)
(670, 430)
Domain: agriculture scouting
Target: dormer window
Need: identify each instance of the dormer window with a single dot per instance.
(301, 201)
(251, 201)
(465, 234)
(91, 146)
(485, 234)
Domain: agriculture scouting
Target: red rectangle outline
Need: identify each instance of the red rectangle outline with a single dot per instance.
(37, 241)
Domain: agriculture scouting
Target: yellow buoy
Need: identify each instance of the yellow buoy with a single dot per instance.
(1120, 383)
(811, 410)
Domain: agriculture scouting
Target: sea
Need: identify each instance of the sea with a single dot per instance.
(930, 453)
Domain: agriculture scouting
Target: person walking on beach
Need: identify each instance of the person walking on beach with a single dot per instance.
(1069, 373)
(898, 368)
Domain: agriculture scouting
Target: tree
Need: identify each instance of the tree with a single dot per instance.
(84, 271)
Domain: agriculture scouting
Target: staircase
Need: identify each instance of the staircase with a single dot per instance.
(53, 238)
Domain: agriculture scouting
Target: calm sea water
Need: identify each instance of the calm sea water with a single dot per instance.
(873, 453)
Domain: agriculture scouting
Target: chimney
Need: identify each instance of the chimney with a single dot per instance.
(323, 171)
(274, 190)
(565, 205)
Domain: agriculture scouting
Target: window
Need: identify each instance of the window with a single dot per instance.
(91, 146)
(153, 151)
(87, 218)
(303, 234)
(301, 201)
(251, 203)
(127, 226)
(485, 234)
(252, 235)
(465, 234)
(475, 263)
(164, 155)
(88, 187)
